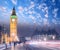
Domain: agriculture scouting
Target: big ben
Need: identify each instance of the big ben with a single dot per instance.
(13, 26)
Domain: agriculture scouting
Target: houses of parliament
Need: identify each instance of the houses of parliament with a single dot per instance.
(4, 37)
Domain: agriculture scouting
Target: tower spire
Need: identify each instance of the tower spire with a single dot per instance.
(13, 11)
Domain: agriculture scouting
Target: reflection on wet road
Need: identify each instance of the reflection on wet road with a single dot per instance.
(27, 46)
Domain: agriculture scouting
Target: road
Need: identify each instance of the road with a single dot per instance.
(24, 46)
(27, 48)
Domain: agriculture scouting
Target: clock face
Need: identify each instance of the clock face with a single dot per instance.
(13, 20)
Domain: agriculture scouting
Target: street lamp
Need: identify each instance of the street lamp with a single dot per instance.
(45, 39)
(53, 37)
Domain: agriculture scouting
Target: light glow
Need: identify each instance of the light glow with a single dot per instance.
(49, 44)
(13, 20)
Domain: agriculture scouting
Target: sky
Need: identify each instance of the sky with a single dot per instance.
(31, 12)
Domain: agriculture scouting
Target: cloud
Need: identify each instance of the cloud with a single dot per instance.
(32, 17)
(55, 12)
(53, 1)
(45, 22)
(57, 20)
(2, 8)
(6, 2)
(20, 8)
(34, 21)
(25, 9)
(43, 6)
(39, 6)
(17, 13)
(32, 5)
(46, 15)
(7, 13)
(14, 2)
(54, 21)
(30, 12)
(38, 15)
(44, 9)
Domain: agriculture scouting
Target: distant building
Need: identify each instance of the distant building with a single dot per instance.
(0, 33)
(44, 37)
(52, 32)
(3, 32)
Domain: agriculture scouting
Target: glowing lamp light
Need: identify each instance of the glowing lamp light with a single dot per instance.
(53, 37)
(16, 38)
(45, 39)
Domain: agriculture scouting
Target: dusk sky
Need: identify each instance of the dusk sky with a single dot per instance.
(31, 12)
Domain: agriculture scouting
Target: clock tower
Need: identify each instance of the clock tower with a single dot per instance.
(13, 26)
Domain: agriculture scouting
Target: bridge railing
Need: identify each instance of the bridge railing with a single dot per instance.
(2, 46)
